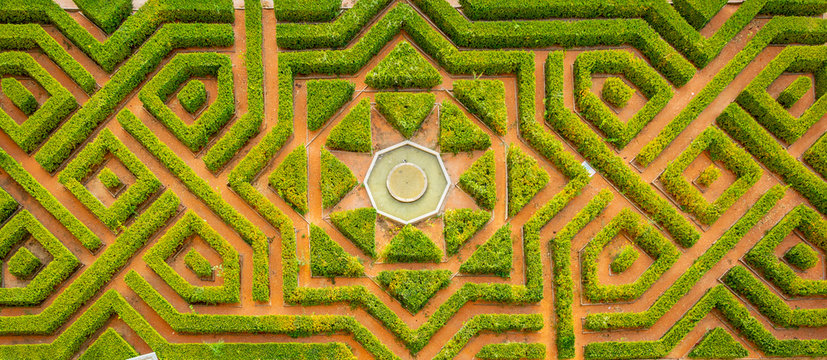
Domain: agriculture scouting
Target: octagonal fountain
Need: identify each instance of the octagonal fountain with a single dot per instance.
(407, 182)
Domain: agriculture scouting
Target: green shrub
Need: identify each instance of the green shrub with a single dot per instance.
(816, 156)
(405, 111)
(102, 103)
(709, 175)
(512, 351)
(404, 67)
(525, 179)
(698, 12)
(411, 245)
(718, 344)
(359, 226)
(457, 133)
(37, 127)
(328, 259)
(772, 113)
(720, 147)
(108, 178)
(802, 256)
(337, 179)
(645, 237)
(353, 133)
(563, 281)
(182, 67)
(128, 202)
(108, 15)
(479, 181)
(23, 263)
(198, 264)
(616, 92)
(109, 345)
(250, 233)
(193, 95)
(656, 90)
(789, 96)
(624, 260)
(325, 98)
(492, 257)
(743, 128)
(603, 159)
(460, 225)
(306, 10)
(689, 277)
(16, 171)
(19, 95)
(413, 288)
(289, 179)
(486, 99)
(174, 239)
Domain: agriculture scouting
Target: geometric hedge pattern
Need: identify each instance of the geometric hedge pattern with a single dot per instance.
(661, 167)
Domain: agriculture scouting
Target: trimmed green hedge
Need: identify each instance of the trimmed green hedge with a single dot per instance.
(22, 177)
(616, 92)
(289, 179)
(181, 68)
(802, 256)
(19, 95)
(735, 159)
(337, 179)
(525, 179)
(177, 237)
(460, 225)
(108, 178)
(718, 344)
(108, 15)
(763, 259)
(495, 256)
(413, 288)
(325, 98)
(328, 259)
(479, 181)
(23, 263)
(411, 245)
(624, 260)
(193, 95)
(485, 99)
(770, 112)
(353, 133)
(145, 185)
(605, 161)
(250, 233)
(359, 226)
(789, 96)
(816, 156)
(7, 204)
(563, 280)
(512, 351)
(405, 111)
(743, 128)
(656, 90)
(689, 277)
(645, 237)
(306, 10)
(457, 133)
(404, 67)
(709, 175)
(37, 127)
(101, 105)
(198, 264)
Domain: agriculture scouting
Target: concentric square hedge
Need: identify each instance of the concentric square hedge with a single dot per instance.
(735, 159)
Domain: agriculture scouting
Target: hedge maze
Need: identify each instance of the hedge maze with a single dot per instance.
(626, 179)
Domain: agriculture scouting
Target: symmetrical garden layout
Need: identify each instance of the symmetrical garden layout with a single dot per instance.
(400, 179)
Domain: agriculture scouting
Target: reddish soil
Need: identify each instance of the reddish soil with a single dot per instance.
(384, 135)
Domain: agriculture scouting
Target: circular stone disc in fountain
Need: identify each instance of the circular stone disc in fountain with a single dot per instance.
(407, 182)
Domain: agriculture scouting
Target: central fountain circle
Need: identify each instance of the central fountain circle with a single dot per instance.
(407, 182)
